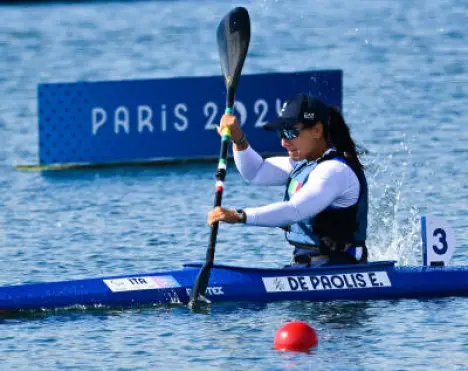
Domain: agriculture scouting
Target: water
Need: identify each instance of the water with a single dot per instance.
(405, 92)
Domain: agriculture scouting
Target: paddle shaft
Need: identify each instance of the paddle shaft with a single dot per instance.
(220, 178)
(201, 283)
(233, 36)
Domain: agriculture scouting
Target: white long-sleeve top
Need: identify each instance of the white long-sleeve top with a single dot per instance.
(330, 183)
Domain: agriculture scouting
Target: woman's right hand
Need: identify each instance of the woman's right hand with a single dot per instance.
(230, 121)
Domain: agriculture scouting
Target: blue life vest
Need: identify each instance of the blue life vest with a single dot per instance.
(333, 228)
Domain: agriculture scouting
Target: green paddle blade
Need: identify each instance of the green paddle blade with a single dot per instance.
(233, 36)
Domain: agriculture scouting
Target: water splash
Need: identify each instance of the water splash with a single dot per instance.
(394, 226)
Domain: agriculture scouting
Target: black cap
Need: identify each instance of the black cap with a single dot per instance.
(302, 108)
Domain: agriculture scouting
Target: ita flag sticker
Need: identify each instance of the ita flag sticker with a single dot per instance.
(141, 283)
(294, 186)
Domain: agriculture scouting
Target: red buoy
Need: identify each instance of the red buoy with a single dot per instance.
(295, 336)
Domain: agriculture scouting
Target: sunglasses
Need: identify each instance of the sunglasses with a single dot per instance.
(289, 133)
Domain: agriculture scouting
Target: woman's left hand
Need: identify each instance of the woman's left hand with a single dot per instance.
(220, 214)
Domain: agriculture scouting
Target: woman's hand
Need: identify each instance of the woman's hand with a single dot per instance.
(230, 121)
(220, 214)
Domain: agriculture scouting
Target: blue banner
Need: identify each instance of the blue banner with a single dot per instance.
(164, 119)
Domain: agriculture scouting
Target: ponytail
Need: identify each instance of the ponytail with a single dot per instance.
(338, 136)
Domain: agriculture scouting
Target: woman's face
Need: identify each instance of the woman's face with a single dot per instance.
(308, 142)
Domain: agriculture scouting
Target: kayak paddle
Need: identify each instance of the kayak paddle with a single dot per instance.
(233, 37)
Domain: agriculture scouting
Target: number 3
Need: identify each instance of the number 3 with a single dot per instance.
(439, 232)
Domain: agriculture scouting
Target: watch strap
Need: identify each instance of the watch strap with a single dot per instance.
(241, 141)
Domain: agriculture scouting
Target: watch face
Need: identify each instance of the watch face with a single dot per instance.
(241, 216)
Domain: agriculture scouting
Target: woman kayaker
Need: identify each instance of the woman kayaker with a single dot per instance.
(325, 206)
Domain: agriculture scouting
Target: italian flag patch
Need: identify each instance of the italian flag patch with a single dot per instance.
(294, 186)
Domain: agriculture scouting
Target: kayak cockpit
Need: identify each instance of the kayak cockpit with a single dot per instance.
(354, 268)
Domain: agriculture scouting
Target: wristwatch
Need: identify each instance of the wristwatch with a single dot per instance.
(242, 216)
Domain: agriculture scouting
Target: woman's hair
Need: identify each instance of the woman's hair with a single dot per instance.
(339, 137)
